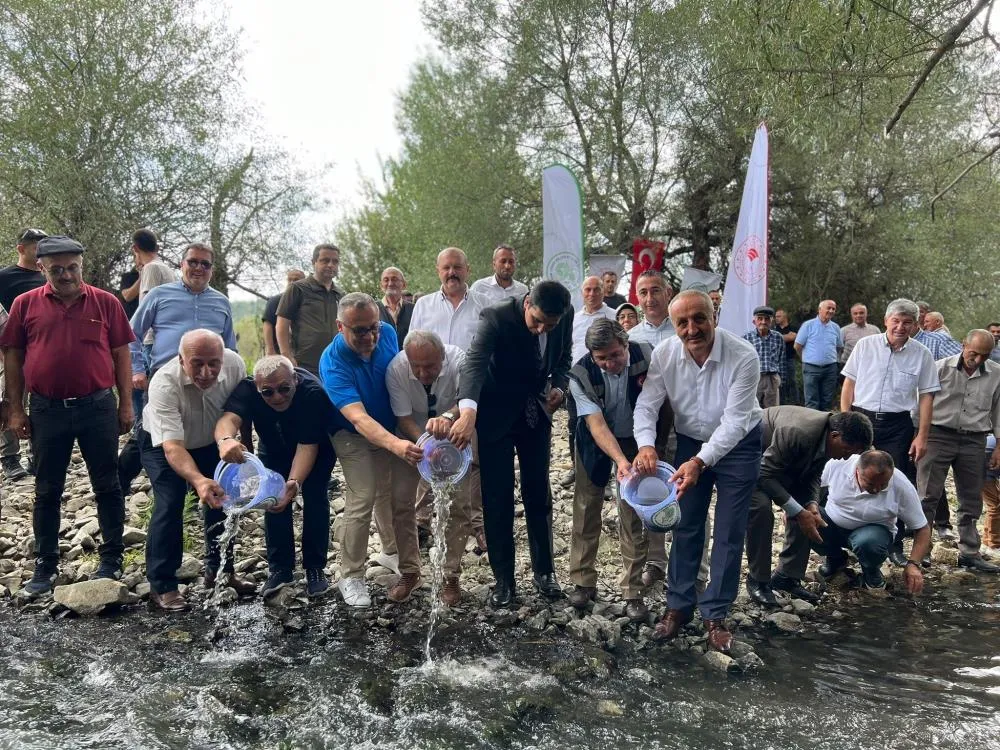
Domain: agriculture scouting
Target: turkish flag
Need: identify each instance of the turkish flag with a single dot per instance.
(646, 255)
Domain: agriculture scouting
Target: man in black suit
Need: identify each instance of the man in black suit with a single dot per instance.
(515, 376)
(392, 308)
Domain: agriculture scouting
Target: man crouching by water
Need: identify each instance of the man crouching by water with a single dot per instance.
(178, 449)
(866, 496)
(292, 415)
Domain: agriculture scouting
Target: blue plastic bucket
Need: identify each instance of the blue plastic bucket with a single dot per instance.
(653, 497)
(249, 485)
(442, 461)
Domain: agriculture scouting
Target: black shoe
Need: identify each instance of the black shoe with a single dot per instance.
(109, 568)
(793, 587)
(547, 585)
(761, 592)
(872, 579)
(925, 562)
(896, 555)
(277, 580)
(424, 537)
(831, 567)
(976, 562)
(12, 468)
(503, 595)
(316, 582)
(42, 580)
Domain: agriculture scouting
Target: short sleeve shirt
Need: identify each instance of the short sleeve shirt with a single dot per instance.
(820, 342)
(850, 507)
(349, 379)
(128, 279)
(617, 410)
(67, 350)
(15, 281)
(179, 410)
(153, 275)
(313, 312)
(307, 420)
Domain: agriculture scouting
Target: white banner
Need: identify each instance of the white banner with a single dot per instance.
(746, 280)
(562, 230)
(598, 264)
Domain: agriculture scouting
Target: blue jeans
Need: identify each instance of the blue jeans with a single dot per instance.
(820, 384)
(734, 478)
(869, 543)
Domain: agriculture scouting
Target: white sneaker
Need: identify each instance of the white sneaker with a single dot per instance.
(389, 562)
(355, 592)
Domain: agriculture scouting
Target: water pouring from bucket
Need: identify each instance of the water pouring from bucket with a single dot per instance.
(653, 497)
(249, 485)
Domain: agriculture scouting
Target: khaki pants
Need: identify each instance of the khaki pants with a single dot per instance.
(365, 468)
(768, 389)
(588, 505)
(407, 483)
(963, 454)
(991, 523)
(425, 498)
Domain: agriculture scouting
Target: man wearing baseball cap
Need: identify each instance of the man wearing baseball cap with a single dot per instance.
(66, 345)
(770, 348)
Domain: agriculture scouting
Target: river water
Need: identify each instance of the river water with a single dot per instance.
(885, 674)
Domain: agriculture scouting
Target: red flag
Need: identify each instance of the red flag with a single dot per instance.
(646, 255)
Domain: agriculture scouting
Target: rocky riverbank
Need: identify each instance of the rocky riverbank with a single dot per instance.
(603, 624)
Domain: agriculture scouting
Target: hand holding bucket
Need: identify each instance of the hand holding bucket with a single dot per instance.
(653, 497)
(442, 461)
(249, 485)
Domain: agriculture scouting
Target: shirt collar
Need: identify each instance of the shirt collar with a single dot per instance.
(886, 344)
(981, 370)
(666, 322)
(444, 297)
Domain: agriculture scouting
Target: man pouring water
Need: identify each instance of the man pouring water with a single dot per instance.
(292, 415)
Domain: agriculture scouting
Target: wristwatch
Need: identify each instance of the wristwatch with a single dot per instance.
(449, 415)
(912, 562)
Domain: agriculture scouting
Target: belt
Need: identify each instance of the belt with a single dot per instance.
(882, 416)
(72, 403)
(959, 431)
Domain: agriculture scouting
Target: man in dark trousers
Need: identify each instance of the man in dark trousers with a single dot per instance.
(515, 376)
(797, 444)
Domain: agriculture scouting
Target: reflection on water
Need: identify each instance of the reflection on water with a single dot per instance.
(882, 675)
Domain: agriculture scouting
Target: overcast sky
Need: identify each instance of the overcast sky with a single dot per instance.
(325, 76)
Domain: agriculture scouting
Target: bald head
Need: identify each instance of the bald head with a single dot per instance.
(933, 321)
(826, 310)
(201, 353)
(976, 349)
(694, 297)
(593, 294)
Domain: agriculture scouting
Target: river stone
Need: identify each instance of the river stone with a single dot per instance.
(91, 597)
(73, 552)
(784, 621)
(944, 555)
(958, 578)
(189, 569)
(609, 708)
(802, 607)
(750, 662)
(721, 662)
(133, 536)
(12, 581)
(587, 629)
(6, 566)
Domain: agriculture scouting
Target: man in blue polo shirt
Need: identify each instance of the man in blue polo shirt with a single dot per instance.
(292, 415)
(819, 343)
(352, 369)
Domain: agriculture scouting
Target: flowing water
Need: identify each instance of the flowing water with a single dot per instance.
(443, 491)
(883, 675)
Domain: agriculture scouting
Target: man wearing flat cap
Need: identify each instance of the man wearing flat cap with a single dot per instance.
(770, 346)
(66, 344)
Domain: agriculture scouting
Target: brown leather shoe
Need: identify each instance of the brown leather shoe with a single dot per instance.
(670, 624)
(651, 574)
(480, 535)
(719, 637)
(580, 595)
(451, 592)
(169, 601)
(636, 610)
(242, 586)
(402, 589)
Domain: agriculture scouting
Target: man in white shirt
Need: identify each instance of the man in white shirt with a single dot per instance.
(593, 309)
(654, 295)
(502, 283)
(423, 390)
(710, 377)
(453, 312)
(886, 378)
(867, 497)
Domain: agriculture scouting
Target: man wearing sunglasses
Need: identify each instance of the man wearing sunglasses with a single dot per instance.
(352, 370)
(15, 280)
(292, 416)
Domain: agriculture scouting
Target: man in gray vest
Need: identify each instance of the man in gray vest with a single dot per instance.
(605, 383)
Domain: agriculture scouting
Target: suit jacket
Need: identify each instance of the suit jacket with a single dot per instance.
(401, 326)
(503, 367)
(794, 453)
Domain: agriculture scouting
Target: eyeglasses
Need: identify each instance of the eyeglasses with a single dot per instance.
(32, 235)
(195, 262)
(284, 389)
(361, 331)
(72, 269)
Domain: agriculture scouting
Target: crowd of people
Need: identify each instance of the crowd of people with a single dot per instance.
(352, 378)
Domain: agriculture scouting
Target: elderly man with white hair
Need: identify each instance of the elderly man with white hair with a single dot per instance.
(177, 446)
(423, 390)
(292, 416)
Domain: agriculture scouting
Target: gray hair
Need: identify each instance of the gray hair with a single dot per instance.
(688, 294)
(419, 338)
(978, 333)
(604, 333)
(199, 333)
(902, 307)
(935, 316)
(878, 460)
(392, 268)
(354, 301)
(267, 366)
